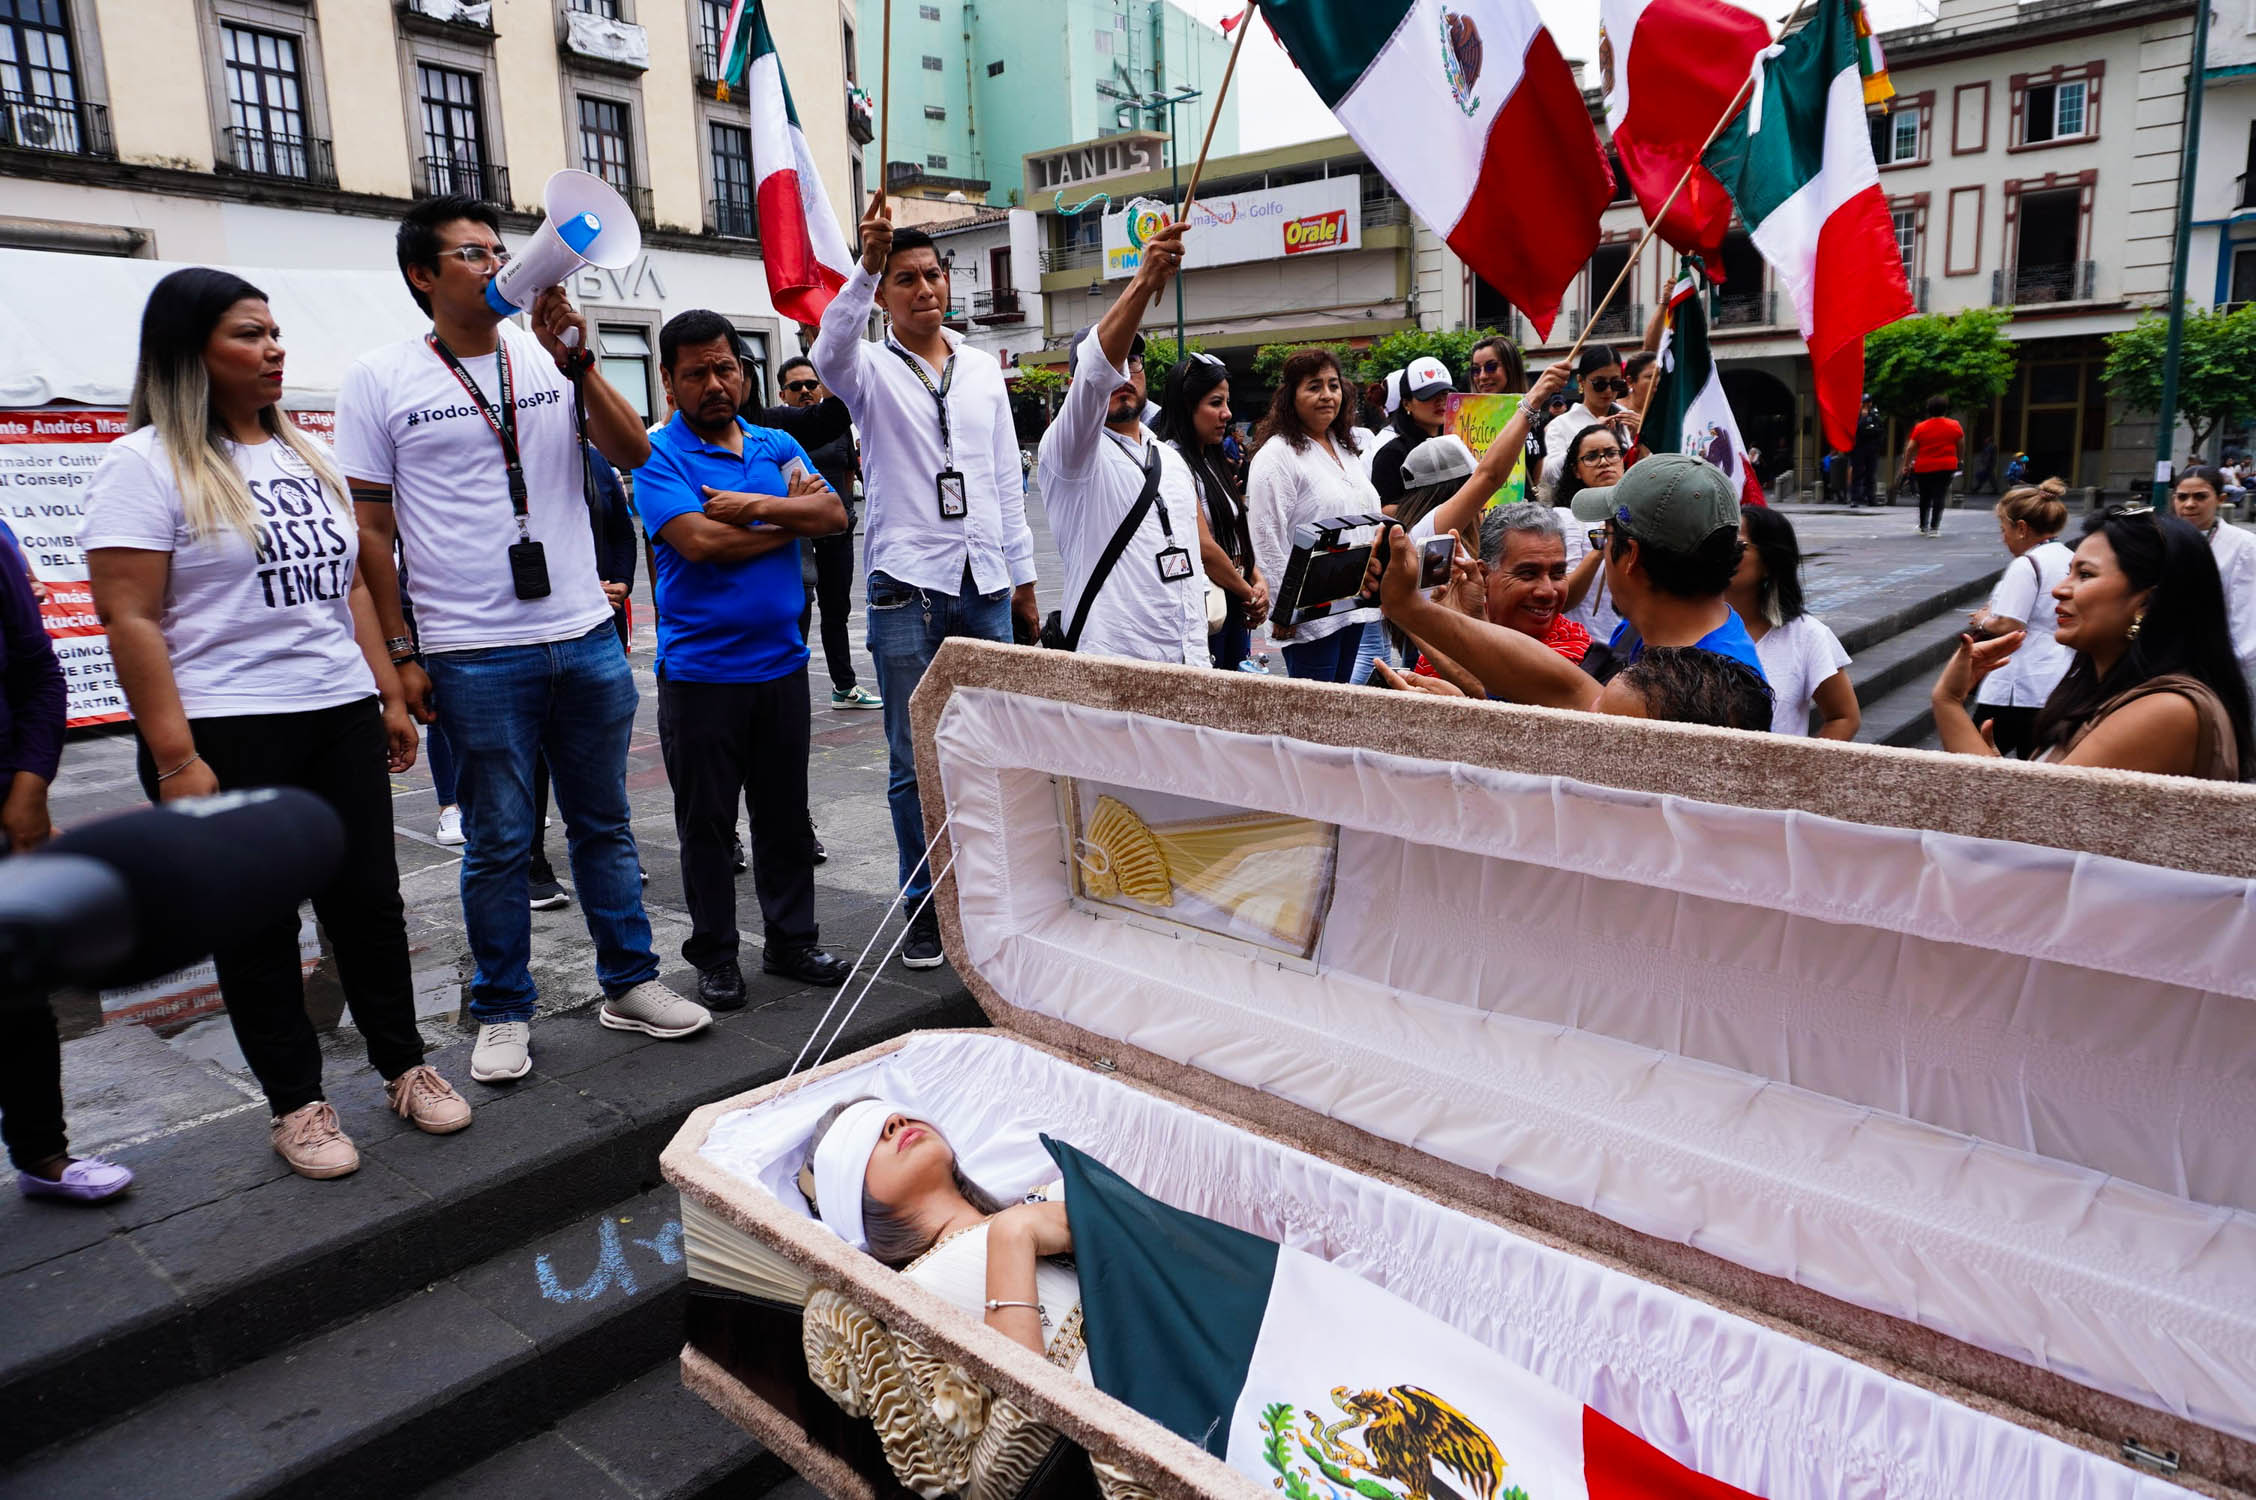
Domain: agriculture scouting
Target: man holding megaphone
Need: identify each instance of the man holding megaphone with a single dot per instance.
(465, 444)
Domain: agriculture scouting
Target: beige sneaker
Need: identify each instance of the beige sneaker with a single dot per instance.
(504, 1051)
(651, 1007)
(421, 1095)
(311, 1141)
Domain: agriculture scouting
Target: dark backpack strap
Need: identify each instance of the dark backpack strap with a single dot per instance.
(1115, 547)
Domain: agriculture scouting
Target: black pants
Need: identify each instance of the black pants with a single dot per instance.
(31, 1081)
(730, 741)
(338, 754)
(1862, 467)
(1934, 493)
(833, 589)
(2016, 732)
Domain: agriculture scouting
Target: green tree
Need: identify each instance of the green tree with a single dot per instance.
(1034, 398)
(1269, 360)
(1160, 359)
(2216, 367)
(1396, 350)
(1963, 357)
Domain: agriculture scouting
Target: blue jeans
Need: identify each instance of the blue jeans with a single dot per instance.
(1331, 659)
(906, 627)
(502, 709)
(440, 754)
(1370, 650)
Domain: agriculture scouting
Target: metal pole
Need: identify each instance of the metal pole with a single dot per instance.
(2189, 157)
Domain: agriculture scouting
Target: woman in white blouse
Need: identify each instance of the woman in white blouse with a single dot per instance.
(2030, 518)
(1801, 657)
(1307, 467)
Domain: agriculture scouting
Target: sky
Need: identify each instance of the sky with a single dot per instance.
(1278, 108)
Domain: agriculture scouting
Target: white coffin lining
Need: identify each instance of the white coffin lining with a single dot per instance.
(2130, 1290)
(1736, 1400)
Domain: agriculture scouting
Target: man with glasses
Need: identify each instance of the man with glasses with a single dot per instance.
(1122, 504)
(462, 445)
(831, 558)
(1603, 388)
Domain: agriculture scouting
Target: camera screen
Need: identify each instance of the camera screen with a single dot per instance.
(1334, 575)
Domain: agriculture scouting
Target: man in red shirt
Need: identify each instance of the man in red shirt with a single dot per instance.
(1936, 452)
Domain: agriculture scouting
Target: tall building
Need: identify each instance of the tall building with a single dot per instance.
(983, 83)
(281, 133)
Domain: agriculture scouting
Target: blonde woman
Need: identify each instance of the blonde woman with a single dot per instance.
(224, 561)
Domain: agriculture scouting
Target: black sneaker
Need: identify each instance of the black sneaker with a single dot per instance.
(737, 862)
(721, 987)
(807, 965)
(541, 887)
(922, 950)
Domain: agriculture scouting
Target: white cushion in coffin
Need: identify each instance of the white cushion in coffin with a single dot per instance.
(1743, 1402)
(1999, 1090)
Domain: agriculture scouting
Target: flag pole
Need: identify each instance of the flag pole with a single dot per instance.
(1653, 226)
(885, 94)
(1214, 110)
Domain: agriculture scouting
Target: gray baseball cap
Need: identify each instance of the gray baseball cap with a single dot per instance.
(1673, 500)
(1437, 460)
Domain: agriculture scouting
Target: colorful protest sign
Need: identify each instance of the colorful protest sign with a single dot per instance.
(1478, 420)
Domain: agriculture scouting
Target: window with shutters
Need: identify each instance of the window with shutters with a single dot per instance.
(266, 104)
(607, 142)
(733, 211)
(2050, 108)
(454, 146)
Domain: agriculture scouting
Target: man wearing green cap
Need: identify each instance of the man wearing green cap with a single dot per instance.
(1671, 534)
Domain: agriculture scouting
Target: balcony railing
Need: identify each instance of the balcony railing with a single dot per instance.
(69, 127)
(2069, 282)
(1620, 318)
(456, 177)
(997, 307)
(735, 218)
(1756, 310)
(638, 199)
(1072, 257)
(267, 153)
(860, 116)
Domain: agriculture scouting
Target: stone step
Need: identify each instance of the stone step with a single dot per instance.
(1905, 716)
(648, 1440)
(1911, 657)
(220, 1258)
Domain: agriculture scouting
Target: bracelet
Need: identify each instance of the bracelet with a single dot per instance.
(577, 362)
(400, 645)
(997, 1305)
(193, 757)
(409, 655)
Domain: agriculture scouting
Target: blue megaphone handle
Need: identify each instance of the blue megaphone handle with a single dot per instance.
(578, 232)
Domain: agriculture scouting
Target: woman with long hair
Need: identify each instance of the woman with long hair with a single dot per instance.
(224, 561)
(2030, 518)
(2196, 499)
(2154, 685)
(1595, 457)
(1307, 467)
(1195, 418)
(1801, 656)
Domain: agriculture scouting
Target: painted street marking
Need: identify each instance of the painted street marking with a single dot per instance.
(612, 1269)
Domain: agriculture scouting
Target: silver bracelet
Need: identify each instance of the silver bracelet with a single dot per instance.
(997, 1305)
(176, 770)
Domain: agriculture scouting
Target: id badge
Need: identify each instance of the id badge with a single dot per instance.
(953, 505)
(1174, 565)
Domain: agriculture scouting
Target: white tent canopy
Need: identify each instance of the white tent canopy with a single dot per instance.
(70, 325)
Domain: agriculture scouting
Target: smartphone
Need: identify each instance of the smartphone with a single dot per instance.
(1435, 554)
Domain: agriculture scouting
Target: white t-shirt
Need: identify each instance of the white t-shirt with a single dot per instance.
(1798, 656)
(250, 629)
(2024, 592)
(404, 420)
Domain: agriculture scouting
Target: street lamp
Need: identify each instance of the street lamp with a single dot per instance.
(1153, 104)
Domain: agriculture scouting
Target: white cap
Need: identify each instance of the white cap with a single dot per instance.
(1437, 460)
(1394, 392)
(1426, 378)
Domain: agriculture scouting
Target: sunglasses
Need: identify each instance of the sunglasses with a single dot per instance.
(1605, 385)
(476, 256)
(796, 386)
(1488, 367)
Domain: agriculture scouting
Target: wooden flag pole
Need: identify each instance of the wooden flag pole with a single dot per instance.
(884, 95)
(1653, 226)
(1214, 110)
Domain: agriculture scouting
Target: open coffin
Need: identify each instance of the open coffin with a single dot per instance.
(1832, 1157)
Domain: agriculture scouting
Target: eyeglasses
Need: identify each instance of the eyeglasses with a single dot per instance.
(476, 256)
(1605, 384)
(1600, 455)
(796, 386)
(1488, 367)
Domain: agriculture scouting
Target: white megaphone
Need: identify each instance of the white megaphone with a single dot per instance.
(588, 224)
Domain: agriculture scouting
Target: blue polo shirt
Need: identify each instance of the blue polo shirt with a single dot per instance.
(1728, 639)
(721, 621)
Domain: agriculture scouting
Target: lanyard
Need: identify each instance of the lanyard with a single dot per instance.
(505, 428)
(938, 392)
(1159, 501)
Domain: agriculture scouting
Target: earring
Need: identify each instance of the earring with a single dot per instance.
(2136, 621)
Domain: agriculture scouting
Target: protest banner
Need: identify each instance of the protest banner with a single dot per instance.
(1477, 420)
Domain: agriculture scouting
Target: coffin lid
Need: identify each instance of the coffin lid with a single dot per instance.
(1955, 1059)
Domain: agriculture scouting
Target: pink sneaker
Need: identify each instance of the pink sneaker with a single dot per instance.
(312, 1142)
(89, 1179)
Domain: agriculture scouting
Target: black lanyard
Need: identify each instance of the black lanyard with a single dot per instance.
(505, 428)
(939, 394)
(1159, 501)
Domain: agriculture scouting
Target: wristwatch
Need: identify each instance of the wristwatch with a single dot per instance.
(576, 362)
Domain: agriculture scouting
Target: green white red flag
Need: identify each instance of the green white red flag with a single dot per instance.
(1469, 109)
(1798, 162)
(1689, 412)
(800, 240)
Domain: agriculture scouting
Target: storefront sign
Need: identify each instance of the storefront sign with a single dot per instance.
(1093, 161)
(47, 458)
(1306, 218)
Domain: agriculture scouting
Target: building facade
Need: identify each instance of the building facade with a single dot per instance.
(993, 258)
(2031, 159)
(252, 133)
(983, 83)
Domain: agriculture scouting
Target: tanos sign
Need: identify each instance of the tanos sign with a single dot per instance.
(1306, 218)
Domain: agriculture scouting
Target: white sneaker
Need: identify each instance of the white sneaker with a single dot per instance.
(653, 1009)
(450, 825)
(504, 1052)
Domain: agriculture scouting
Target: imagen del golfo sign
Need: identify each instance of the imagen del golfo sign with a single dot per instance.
(1302, 219)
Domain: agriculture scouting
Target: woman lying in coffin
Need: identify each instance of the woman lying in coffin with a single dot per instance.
(889, 1183)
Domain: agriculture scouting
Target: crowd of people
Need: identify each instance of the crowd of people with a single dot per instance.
(460, 564)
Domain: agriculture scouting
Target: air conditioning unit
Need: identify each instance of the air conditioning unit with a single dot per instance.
(42, 127)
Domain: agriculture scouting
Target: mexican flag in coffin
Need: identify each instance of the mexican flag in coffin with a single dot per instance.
(1322, 1386)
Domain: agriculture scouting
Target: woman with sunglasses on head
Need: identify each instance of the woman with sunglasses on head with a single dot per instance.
(1195, 419)
(2154, 685)
(2196, 498)
(225, 563)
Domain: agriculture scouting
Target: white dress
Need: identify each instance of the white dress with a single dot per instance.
(955, 1270)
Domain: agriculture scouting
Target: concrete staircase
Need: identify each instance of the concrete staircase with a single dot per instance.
(496, 1313)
